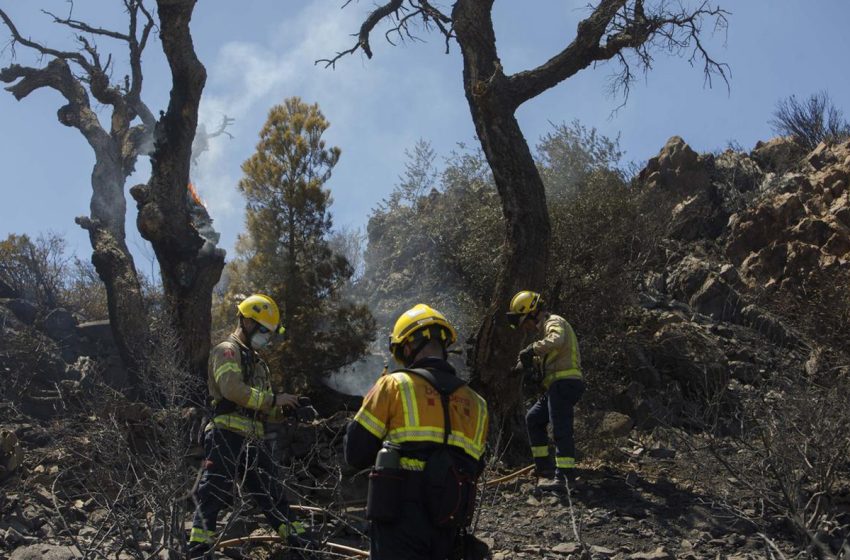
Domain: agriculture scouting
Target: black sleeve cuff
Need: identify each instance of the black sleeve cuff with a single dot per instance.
(361, 447)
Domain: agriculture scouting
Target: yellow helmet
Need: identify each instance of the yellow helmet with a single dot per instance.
(522, 304)
(263, 310)
(420, 322)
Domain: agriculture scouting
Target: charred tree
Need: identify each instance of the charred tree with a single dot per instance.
(613, 30)
(189, 266)
(116, 150)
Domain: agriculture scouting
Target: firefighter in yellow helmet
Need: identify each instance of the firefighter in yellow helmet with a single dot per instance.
(423, 431)
(240, 386)
(555, 359)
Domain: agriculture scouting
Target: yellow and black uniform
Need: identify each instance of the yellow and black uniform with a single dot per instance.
(240, 386)
(557, 355)
(406, 411)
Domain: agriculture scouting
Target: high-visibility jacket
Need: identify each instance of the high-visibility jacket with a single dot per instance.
(557, 350)
(240, 386)
(403, 408)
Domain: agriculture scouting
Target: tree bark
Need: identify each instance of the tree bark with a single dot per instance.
(110, 255)
(523, 198)
(189, 270)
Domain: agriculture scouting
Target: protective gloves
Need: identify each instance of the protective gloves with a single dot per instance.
(526, 356)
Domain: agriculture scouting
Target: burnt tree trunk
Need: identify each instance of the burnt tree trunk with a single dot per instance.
(523, 198)
(116, 150)
(113, 262)
(189, 270)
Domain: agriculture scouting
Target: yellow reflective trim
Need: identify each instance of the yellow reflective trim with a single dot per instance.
(238, 423)
(408, 398)
(256, 399)
(482, 419)
(574, 344)
(421, 433)
(574, 373)
(410, 464)
(225, 368)
(371, 423)
(201, 535)
(565, 462)
(538, 451)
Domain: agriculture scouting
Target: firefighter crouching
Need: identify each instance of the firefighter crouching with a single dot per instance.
(240, 386)
(555, 355)
(424, 430)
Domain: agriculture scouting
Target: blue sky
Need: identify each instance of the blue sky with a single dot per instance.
(258, 52)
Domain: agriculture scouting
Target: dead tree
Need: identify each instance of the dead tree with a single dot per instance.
(188, 274)
(620, 30)
(189, 266)
(77, 75)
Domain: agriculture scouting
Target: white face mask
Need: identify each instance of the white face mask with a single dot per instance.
(260, 340)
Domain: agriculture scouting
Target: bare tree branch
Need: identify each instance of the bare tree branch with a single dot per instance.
(57, 75)
(18, 38)
(615, 26)
(86, 28)
(430, 15)
(391, 7)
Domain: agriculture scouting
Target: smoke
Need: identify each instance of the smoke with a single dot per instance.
(357, 378)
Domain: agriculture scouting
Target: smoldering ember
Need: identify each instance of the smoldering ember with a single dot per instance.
(558, 325)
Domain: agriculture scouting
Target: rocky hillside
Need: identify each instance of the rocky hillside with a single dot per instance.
(716, 424)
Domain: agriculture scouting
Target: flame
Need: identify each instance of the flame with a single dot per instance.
(194, 194)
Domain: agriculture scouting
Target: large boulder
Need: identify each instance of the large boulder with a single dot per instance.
(687, 277)
(698, 216)
(717, 299)
(778, 155)
(686, 353)
(677, 169)
(59, 324)
(24, 310)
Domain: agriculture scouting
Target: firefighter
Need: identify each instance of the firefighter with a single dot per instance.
(240, 387)
(555, 355)
(406, 430)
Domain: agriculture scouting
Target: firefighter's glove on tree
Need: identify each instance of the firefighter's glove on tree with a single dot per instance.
(526, 357)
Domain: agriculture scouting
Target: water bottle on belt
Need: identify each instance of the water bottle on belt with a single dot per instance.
(388, 457)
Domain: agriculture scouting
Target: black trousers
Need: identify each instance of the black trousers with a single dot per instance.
(411, 537)
(231, 457)
(555, 406)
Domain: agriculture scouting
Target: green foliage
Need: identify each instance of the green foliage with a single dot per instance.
(570, 153)
(286, 252)
(438, 238)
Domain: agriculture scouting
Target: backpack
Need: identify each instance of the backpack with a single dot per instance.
(448, 482)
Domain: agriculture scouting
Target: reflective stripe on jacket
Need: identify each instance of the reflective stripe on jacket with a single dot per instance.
(404, 408)
(558, 350)
(251, 390)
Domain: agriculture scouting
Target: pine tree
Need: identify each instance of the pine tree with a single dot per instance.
(286, 252)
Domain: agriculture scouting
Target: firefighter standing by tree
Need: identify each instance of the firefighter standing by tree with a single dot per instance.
(239, 383)
(555, 355)
(424, 430)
